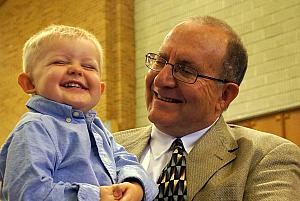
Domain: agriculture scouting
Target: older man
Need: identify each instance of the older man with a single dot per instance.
(192, 80)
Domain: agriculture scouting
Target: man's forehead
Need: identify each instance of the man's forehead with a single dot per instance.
(196, 37)
(198, 45)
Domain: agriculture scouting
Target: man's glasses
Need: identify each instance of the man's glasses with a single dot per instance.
(180, 72)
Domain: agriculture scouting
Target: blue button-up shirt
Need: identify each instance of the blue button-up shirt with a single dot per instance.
(58, 153)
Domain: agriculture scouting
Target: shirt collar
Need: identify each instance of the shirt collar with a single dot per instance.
(161, 142)
(48, 107)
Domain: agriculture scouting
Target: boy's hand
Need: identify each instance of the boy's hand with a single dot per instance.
(128, 191)
(124, 192)
(107, 193)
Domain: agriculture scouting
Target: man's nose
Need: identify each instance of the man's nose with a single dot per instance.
(165, 77)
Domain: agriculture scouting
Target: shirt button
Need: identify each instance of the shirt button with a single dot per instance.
(68, 120)
(105, 160)
(76, 114)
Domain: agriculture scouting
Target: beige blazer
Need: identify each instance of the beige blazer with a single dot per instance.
(231, 163)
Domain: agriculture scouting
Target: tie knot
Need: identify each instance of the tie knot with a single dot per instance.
(177, 145)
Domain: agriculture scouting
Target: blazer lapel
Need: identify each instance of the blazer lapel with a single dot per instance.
(210, 154)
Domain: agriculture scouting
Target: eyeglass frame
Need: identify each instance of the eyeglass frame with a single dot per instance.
(224, 81)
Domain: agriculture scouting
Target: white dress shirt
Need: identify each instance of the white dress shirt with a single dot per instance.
(157, 154)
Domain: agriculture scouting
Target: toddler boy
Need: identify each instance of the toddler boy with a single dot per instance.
(60, 150)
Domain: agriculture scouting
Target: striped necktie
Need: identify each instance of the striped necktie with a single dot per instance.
(172, 181)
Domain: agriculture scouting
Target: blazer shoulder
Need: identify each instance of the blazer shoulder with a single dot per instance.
(257, 139)
(132, 135)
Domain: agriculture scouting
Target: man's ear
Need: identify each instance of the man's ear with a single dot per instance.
(229, 93)
(25, 82)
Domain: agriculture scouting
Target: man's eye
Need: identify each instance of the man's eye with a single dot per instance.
(187, 71)
(159, 63)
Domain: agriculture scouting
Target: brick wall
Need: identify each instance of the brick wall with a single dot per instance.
(270, 30)
(112, 23)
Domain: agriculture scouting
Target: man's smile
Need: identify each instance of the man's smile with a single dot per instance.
(166, 99)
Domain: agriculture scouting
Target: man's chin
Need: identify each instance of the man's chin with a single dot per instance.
(167, 125)
(162, 119)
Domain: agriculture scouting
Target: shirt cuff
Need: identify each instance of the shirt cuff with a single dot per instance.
(88, 192)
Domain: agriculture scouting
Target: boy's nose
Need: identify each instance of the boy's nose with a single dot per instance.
(75, 70)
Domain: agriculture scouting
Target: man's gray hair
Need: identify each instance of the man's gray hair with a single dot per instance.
(236, 58)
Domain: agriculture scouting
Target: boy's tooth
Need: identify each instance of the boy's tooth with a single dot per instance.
(72, 85)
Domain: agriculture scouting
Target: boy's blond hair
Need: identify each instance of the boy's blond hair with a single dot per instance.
(34, 44)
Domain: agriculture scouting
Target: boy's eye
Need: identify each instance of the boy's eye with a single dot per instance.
(89, 66)
(60, 62)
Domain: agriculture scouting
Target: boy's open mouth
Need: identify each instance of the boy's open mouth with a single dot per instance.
(73, 85)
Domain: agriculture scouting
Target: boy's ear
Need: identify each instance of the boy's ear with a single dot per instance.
(26, 83)
(102, 87)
